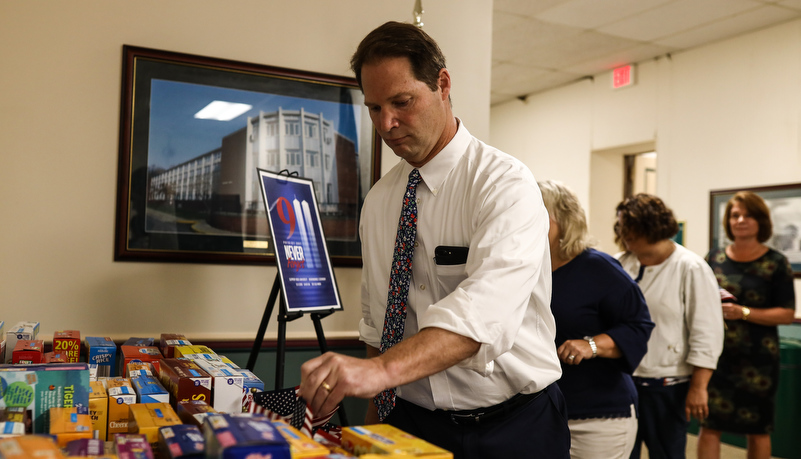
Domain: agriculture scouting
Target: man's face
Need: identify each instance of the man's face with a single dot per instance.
(406, 113)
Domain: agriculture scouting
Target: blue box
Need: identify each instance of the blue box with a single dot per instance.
(149, 390)
(182, 441)
(238, 436)
(103, 352)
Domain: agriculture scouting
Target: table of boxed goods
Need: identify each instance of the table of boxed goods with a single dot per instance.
(164, 400)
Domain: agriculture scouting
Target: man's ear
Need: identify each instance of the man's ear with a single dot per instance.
(444, 83)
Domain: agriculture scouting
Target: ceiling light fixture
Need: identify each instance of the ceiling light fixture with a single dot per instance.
(222, 111)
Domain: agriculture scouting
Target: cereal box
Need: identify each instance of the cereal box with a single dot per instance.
(227, 385)
(193, 411)
(239, 436)
(103, 352)
(386, 439)
(300, 445)
(150, 354)
(69, 424)
(185, 380)
(196, 352)
(120, 395)
(37, 388)
(28, 351)
(28, 446)
(86, 447)
(181, 441)
(23, 330)
(98, 408)
(68, 342)
(147, 418)
(168, 341)
(132, 446)
(149, 390)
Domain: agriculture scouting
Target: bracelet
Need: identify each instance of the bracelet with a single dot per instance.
(746, 312)
(591, 340)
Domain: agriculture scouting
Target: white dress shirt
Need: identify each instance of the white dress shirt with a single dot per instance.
(684, 301)
(472, 195)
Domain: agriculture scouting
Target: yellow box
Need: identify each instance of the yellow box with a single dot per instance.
(195, 352)
(28, 446)
(98, 408)
(147, 418)
(300, 445)
(120, 395)
(386, 439)
(67, 425)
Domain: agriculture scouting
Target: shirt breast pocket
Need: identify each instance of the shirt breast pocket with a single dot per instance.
(449, 277)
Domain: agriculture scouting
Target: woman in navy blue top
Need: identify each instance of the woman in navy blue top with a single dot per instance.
(602, 331)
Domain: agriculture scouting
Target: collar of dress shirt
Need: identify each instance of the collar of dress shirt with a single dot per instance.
(435, 171)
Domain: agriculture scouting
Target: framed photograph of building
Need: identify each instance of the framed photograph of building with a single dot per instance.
(193, 132)
(784, 202)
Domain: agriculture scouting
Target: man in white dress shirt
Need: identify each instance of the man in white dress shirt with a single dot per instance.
(475, 370)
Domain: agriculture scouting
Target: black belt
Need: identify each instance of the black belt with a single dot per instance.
(481, 415)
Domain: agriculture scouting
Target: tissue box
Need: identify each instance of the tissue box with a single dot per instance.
(68, 424)
(386, 439)
(68, 342)
(239, 436)
(181, 441)
(103, 353)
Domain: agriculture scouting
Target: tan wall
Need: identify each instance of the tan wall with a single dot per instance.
(59, 120)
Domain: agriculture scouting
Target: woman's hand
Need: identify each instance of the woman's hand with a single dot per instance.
(573, 351)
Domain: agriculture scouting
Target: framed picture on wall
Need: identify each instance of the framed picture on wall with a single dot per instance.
(784, 202)
(193, 132)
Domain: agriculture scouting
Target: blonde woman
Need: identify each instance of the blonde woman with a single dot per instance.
(602, 328)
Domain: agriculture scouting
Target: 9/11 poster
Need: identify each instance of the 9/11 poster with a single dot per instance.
(307, 279)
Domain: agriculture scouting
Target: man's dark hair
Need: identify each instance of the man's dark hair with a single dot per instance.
(647, 216)
(398, 39)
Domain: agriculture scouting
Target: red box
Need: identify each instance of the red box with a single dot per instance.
(185, 380)
(28, 351)
(168, 341)
(68, 343)
(149, 354)
(55, 357)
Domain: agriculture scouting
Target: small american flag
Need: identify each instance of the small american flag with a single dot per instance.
(284, 404)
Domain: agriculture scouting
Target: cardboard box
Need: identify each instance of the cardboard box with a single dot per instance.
(28, 446)
(86, 447)
(227, 385)
(103, 352)
(185, 380)
(69, 424)
(386, 439)
(136, 369)
(132, 446)
(52, 357)
(149, 390)
(238, 436)
(181, 441)
(68, 342)
(22, 330)
(193, 411)
(11, 429)
(251, 384)
(120, 395)
(300, 445)
(141, 342)
(98, 408)
(38, 388)
(147, 418)
(28, 351)
(149, 354)
(15, 416)
(196, 352)
(168, 341)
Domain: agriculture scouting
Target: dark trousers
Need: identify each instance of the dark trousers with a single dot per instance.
(662, 423)
(535, 429)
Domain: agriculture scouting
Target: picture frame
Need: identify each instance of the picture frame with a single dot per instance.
(308, 283)
(784, 202)
(187, 185)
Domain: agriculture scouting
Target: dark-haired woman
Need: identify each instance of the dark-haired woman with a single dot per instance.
(742, 390)
(683, 298)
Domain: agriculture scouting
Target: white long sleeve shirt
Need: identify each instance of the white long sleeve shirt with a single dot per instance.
(684, 301)
(471, 195)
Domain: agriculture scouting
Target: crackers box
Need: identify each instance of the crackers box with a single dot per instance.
(103, 352)
(147, 418)
(150, 354)
(227, 385)
(149, 390)
(120, 395)
(181, 441)
(300, 445)
(168, 341)
(28, 446)
(68, 342)
(386, 439)
(98, 408)
(69, 424)
(185, 380)
(238, 436)
(37, 388)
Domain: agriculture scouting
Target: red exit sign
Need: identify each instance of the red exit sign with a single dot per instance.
(623, 76)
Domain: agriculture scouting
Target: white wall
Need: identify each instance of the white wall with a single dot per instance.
(59, 122)
(722, 116)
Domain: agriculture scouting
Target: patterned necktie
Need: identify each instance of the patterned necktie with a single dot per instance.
(399, 277)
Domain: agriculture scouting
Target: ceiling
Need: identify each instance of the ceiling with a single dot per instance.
(541, 44)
